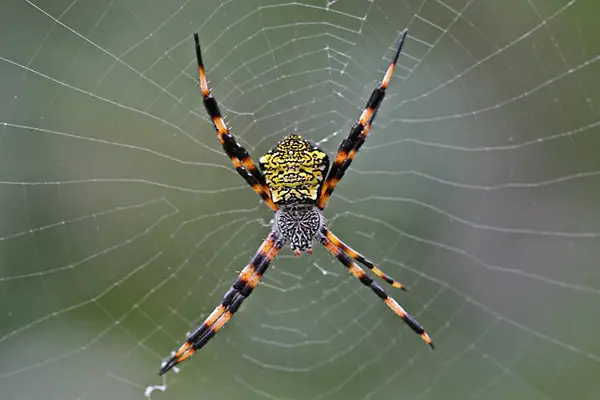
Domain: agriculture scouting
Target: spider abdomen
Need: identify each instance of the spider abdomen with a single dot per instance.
(294, 170)
(298, 224)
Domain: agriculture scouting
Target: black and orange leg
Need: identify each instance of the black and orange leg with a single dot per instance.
(355, 255)
(239, 291)
(242, 161)
(358, 133)
(360, 274)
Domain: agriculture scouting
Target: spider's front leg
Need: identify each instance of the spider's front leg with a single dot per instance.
(239, 291)
(240, 157)
(358, 133)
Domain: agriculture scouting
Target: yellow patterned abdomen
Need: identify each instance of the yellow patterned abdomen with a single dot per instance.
(294, 170)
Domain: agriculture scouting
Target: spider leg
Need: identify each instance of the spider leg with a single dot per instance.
(358, 132)
(355, 255)
(240, 157)
(240, 289)
(360, 274)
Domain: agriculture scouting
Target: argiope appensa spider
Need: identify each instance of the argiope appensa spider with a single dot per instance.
(297, 187)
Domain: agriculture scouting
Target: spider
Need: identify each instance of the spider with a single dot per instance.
(296, 183)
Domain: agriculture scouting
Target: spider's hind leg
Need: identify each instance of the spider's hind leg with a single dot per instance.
(360, 274)
(355, 255)
(241, 288)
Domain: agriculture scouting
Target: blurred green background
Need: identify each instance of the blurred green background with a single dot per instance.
(123, 223)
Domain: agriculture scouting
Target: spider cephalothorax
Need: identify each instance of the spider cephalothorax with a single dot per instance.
(298, 224)
(296, 185)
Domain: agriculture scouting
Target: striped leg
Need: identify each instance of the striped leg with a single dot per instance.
(355, 255)
(360, 274)
(242, 161)
(358, 133)
(239, 291)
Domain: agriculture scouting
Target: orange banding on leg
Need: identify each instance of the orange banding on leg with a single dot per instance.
(247, 272)
(221, 321)
(203, 82)
(214, 315)
(366, 116)
(388, 76)
(183, 348)
(356, 271)
(426, 338)
(221, 128)
(395, 307)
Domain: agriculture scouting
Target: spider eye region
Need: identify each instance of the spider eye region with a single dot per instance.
(294, 170)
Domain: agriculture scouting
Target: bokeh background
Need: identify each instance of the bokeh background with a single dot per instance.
(122, 222)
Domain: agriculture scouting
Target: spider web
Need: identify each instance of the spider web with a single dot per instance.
(124, 223)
